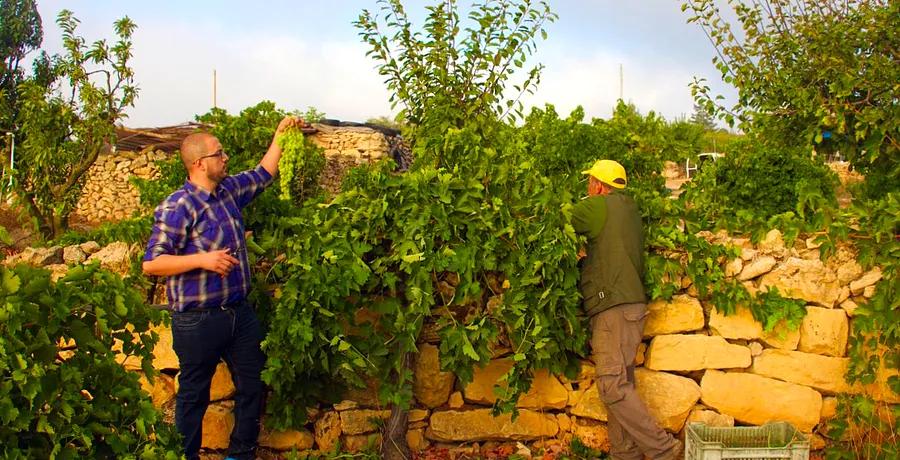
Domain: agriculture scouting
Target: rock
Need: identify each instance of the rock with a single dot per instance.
(782, 336)
(361, 442)
(734, 267)
(710, 418)
(73, 255)
(217, 425)
(480, 425)
(586, 403)
(361, 421)
(222, 387)
(164, 357)
(849, 307)
(739, 325)
(823, 373)
(592, 434)
(285, 440)
(748, 254)
(809, 280)
(416, 440)
(546, 390)
(756, 348)
(57, 271)
(345, 405)
(565, 423)
(418, 415)
(762, 399)
(829, 408)
(37, 257)
(824, 331)
(695, 352)
(431, 387)
(116, 257)
(681, 314)
(869, 292)
(328, 431)
(760, 266)
(848, 271)
(773, 243)
(869, 279)
(668, 397)
(456, 400)
(161, 391)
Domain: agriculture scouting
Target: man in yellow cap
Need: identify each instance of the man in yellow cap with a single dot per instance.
(614, 298)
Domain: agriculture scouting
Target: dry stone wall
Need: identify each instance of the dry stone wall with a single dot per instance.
(109, 196)
(695, 364)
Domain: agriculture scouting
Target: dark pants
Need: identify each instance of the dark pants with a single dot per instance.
(633, 433)
(201, 339)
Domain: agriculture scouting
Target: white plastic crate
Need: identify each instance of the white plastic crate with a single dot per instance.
(777, 440)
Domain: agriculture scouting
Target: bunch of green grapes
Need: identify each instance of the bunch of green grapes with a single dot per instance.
(300, 165)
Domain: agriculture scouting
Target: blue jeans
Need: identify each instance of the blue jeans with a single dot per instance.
(201, 339)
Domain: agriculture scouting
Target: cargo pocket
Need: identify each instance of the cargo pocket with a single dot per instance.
(611, 383)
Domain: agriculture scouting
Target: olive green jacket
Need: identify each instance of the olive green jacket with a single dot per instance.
(613, 270)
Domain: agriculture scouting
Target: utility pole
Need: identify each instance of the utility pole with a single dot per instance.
(214, 89)
(621, 84)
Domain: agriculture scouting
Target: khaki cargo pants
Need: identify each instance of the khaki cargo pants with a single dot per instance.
(633, 433)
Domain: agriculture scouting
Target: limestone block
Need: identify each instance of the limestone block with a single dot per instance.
(848, 271)
(285, 440)
(668, 397)
(738, 325)
(759, 266)
(823, 373)
(829, 407)
(592, 434)
(456, 400)
(710, 418)
(217, 425)
(682, 314)
(360, 442)
(221, 387)
(869, 292)
(761, 399)
(869, 279)
(773, 243)
(480, 425)
(809, 280)
(586, 403)
(431, 386)
(362, 421)
(734, 267)
(73, 255)
(161, 391)
(546, 390)
(37, 257)
(782, 336)
(416, 440)
(116, 257)
(748, 254)
(565, 423)
(417, 415)
(824, 331)
(164, 357)
(849, 307)
(756, 348)
(695, 352)
(327, 430)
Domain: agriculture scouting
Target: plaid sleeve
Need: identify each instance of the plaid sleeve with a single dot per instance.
(245, 186)
(170, 230)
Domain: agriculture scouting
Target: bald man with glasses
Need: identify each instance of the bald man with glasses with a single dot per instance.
(198, 243)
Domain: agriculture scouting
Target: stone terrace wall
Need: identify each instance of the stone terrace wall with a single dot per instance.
(695, 364)
(108, 195)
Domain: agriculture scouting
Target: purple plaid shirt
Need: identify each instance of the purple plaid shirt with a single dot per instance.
(192, 220)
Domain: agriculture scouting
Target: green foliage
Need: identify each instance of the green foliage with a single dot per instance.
(806, 68)
(66, 120)
(133, 230)
(171, 177)
(453, 72)
(20, 34)
(78, 403)
(754, 180)
(301, 164)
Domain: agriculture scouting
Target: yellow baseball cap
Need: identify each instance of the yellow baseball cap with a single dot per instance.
(609, 172)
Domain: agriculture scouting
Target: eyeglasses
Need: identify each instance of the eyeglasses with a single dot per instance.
(217, 153)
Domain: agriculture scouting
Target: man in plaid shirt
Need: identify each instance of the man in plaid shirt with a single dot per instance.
(198, 244)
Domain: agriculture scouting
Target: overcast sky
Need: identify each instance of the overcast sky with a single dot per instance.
(307, 53)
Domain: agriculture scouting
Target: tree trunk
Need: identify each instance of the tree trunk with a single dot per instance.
(393, 444)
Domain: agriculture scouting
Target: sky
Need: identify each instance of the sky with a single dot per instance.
(305, 53)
